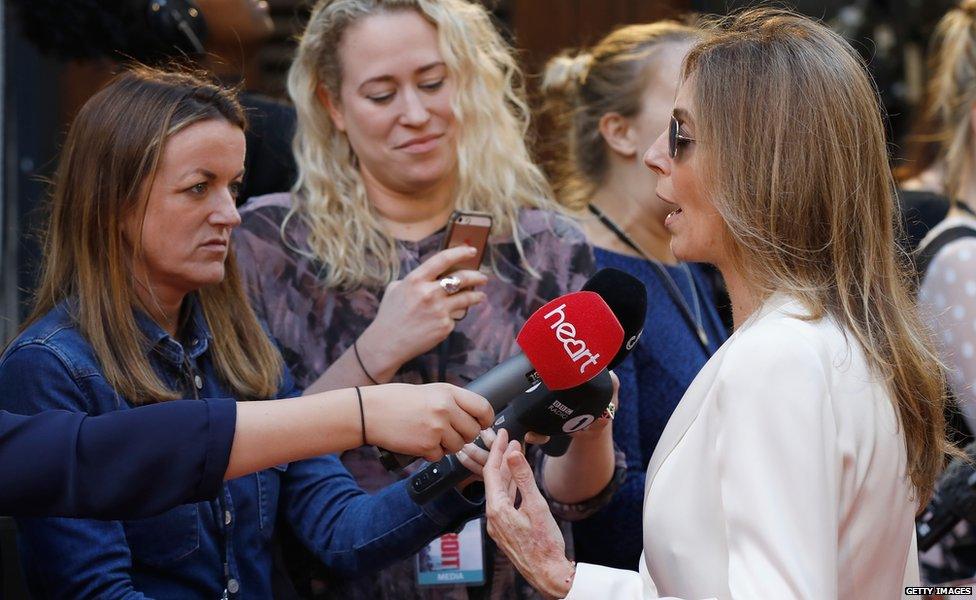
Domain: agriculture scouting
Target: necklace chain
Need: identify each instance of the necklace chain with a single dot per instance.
(697, 322)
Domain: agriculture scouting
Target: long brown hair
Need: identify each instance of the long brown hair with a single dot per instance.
(581, 87)
(106, 170)
(791, 131)
(942, 134)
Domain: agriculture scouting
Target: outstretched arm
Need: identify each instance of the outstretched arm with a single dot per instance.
(64, 463)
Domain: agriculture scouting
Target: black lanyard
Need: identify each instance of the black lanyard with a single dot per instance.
(669, 285)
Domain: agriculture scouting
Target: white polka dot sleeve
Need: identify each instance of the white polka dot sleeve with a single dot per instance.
(947, 298)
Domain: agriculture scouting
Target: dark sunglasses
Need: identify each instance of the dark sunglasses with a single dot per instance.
(675, 139)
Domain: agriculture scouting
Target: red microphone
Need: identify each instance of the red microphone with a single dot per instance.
(564, 344)
(578, 336)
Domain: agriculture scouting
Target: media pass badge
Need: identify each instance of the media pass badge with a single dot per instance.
(454, 558)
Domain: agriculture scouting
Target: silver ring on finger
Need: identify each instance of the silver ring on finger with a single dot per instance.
(450, 284)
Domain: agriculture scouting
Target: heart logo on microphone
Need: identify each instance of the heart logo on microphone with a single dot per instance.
(574, 348)
(566, 333)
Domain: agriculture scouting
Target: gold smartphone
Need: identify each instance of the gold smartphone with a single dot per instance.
(468, 229)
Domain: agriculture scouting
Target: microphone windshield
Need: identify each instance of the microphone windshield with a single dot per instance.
(571, 339)
(627, 298)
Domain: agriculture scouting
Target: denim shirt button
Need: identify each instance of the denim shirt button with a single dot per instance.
(227, 517)
(198, 381)
(233, 587)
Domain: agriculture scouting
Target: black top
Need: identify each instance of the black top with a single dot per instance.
(269, 166)
(920, 212)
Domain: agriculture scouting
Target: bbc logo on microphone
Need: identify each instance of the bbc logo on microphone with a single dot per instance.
(939, 591)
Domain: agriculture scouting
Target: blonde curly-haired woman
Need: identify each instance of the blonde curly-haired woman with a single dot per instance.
(407, 111)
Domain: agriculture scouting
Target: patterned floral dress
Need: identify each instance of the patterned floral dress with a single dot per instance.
(314, 325)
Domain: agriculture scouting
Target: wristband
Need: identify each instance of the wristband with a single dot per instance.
(359, 359)
(362, 415)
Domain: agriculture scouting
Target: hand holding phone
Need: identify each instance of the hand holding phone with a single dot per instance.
(468, 229)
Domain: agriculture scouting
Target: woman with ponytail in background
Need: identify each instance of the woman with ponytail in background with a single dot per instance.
(946, 165)
(610, 102)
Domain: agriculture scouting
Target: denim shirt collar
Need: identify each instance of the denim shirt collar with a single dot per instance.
(196, 331)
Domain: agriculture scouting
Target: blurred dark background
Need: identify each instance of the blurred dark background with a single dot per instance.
(48, 73)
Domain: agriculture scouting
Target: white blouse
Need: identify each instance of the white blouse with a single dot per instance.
(781, 474)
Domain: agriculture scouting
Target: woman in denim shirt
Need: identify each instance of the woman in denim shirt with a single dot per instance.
(139, 302)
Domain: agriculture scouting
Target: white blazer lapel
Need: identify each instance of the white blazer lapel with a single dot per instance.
(684, 414)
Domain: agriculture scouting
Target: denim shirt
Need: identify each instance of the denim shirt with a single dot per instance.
(207, 549)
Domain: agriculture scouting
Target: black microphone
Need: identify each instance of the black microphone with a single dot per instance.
(540, 410)
(954, 501)
(627, 298)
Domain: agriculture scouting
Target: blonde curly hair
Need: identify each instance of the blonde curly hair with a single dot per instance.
(495, 172)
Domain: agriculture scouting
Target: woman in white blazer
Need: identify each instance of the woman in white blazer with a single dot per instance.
(796, 461)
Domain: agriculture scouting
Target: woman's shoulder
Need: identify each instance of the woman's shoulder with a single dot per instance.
(789, 355)
(551, 241)
(46, 355)
(951, 265)
(955, 218)
(56, 334)
(262, 216)
(56, 331)
(261, 240)
(267, 204)
(784, 359)
(536, 222)
(953, 253)
(784, 338)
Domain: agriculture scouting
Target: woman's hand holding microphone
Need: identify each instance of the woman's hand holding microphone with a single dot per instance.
(423, 420)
